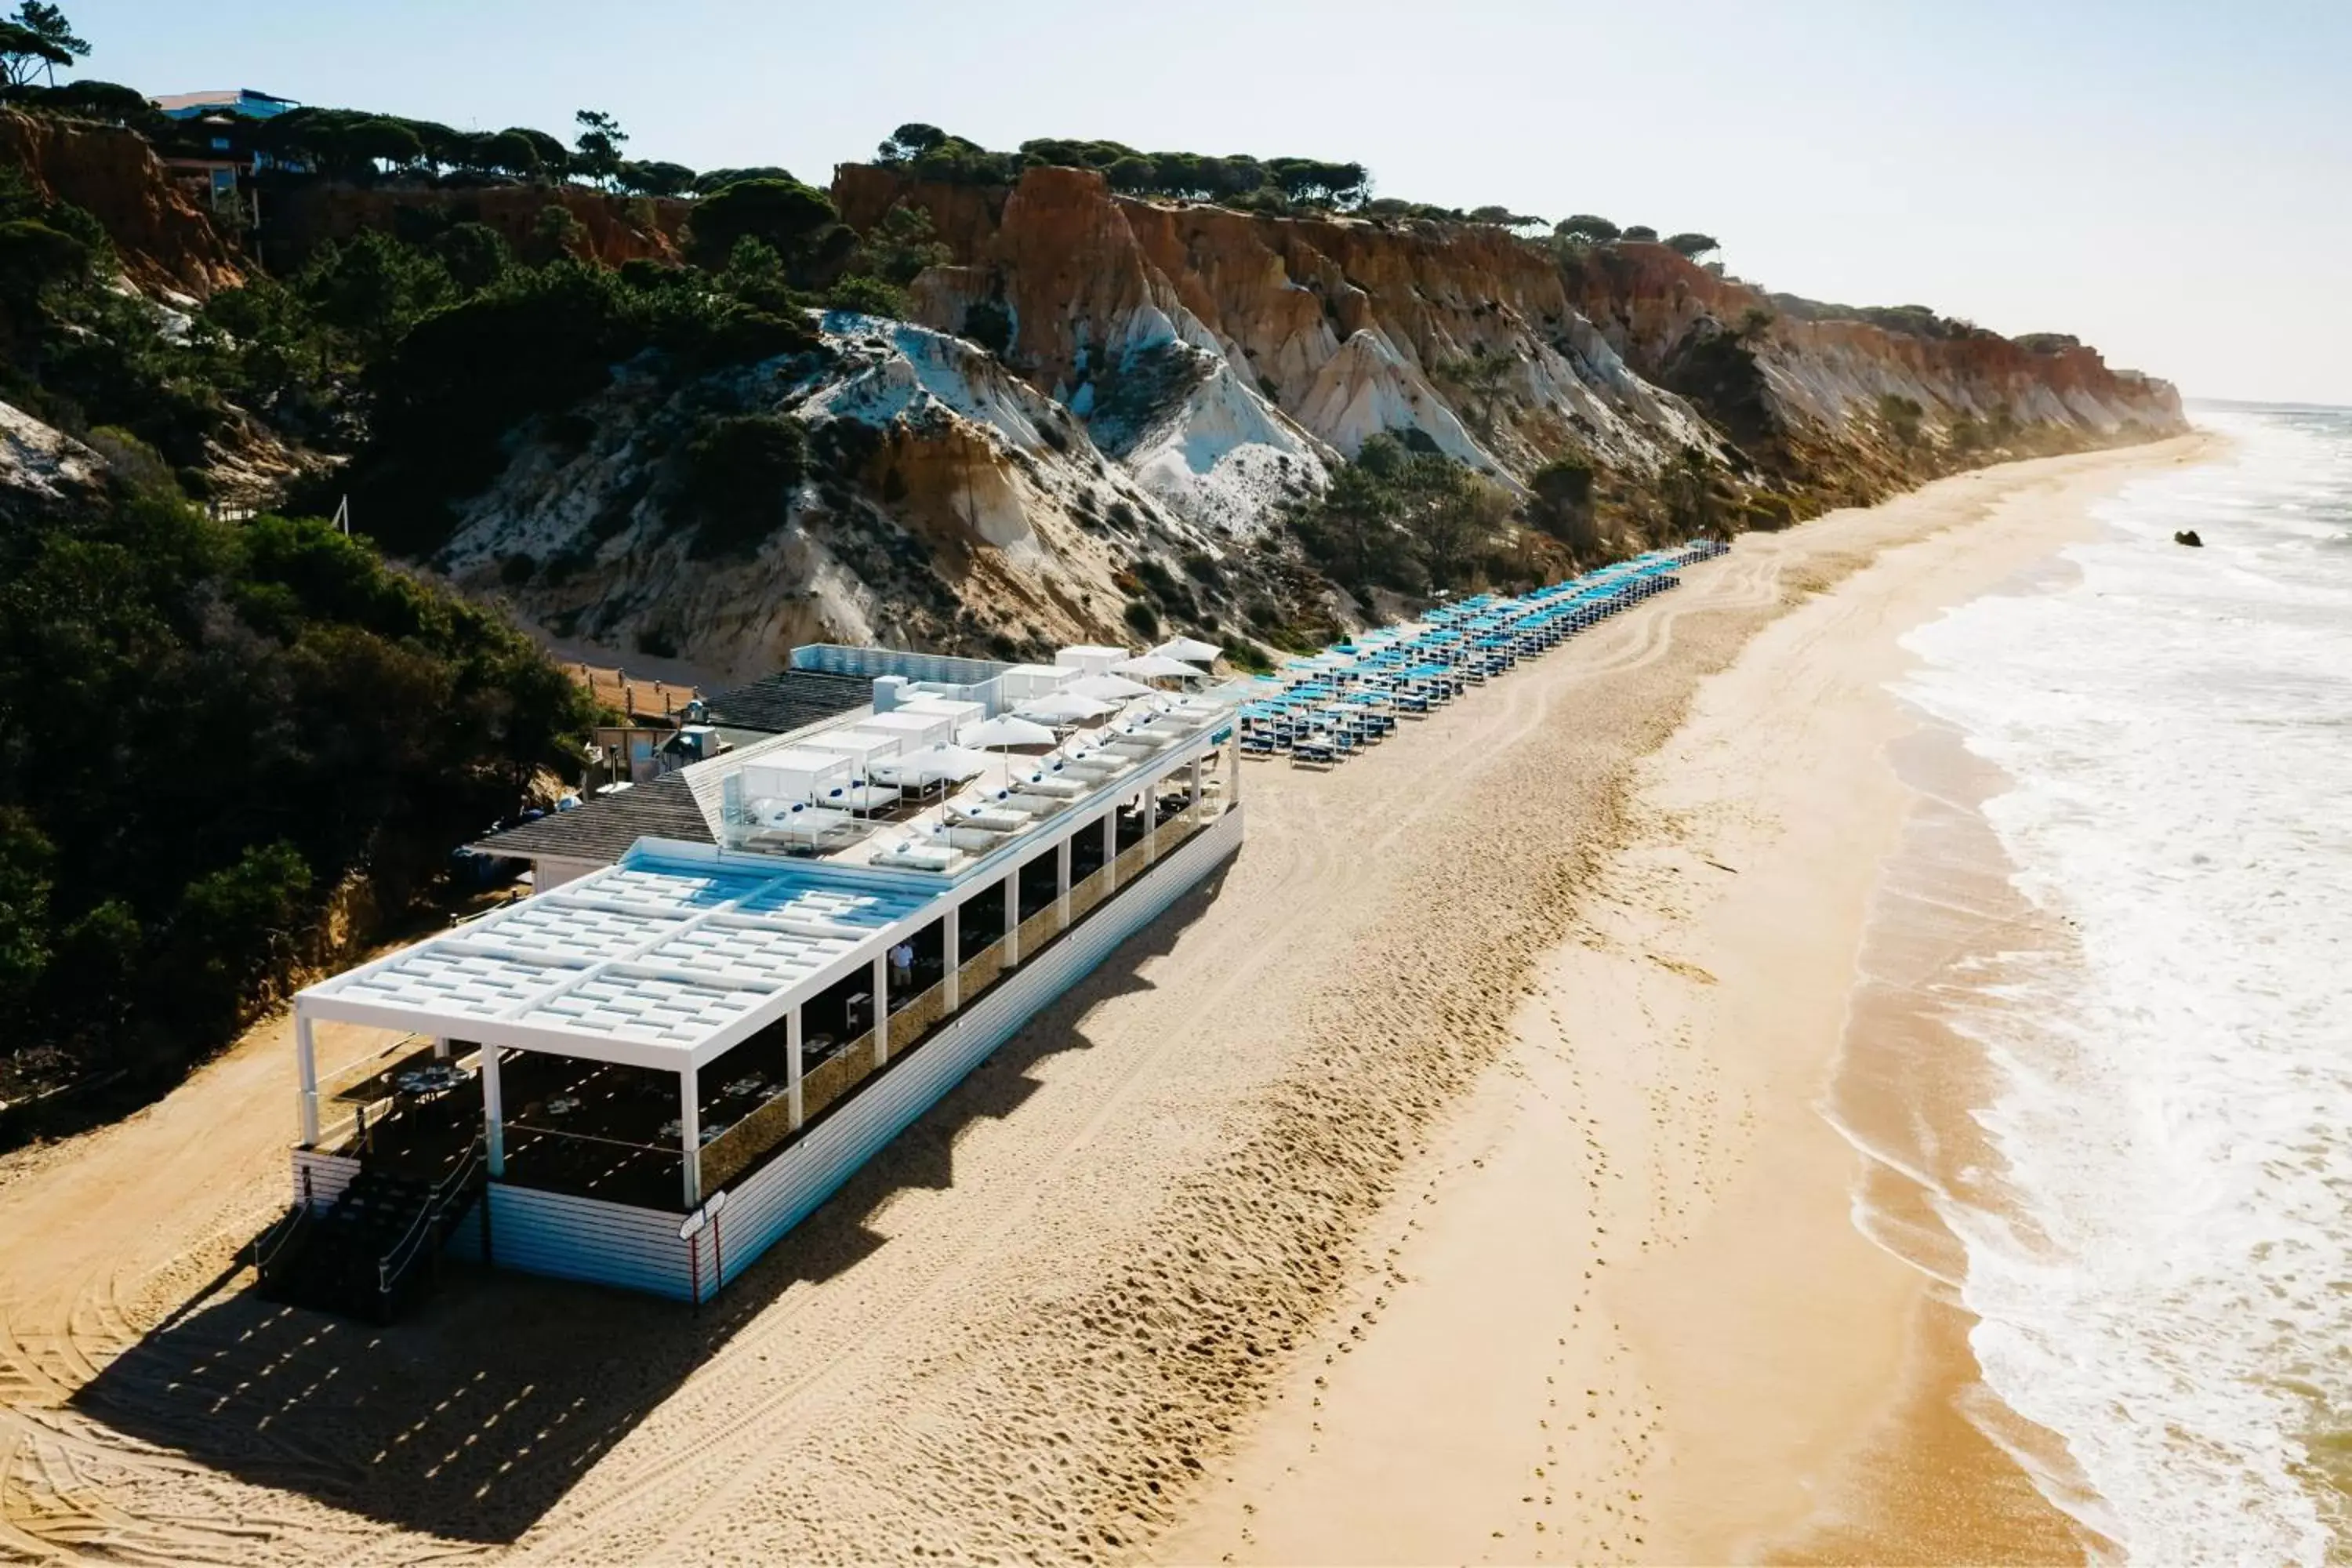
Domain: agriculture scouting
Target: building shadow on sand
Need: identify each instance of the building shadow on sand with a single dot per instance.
(475, 1416)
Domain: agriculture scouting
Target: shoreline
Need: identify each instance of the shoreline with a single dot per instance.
(1066, 1314)
(1625, 1310)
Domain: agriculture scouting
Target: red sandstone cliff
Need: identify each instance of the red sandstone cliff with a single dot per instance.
(163, 239)
(1483, 343)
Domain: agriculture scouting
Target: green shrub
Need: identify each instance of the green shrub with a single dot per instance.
(740, 471)
(867, 296)
(1139, 615)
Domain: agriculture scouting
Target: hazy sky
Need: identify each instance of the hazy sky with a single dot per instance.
(2171, 181)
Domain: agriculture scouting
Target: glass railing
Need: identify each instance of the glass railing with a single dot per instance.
(1038, 930)
(979, 971)
(837, 1075)
(725, 1156)
(1085, 894)
(909, 1023)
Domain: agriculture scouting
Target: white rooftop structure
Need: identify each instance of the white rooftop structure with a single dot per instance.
(647, 963)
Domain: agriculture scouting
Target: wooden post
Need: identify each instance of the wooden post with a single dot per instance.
(494, 1114)
(689, 1131)
(306, 1071)
(793, 1061)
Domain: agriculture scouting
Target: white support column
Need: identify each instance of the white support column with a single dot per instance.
(494, 1111)
(792, 1060)
(1110, 849)
(440, 1048)
(1061, 883)
(306, 1072)
(1233, 768)
(689, 1132)
(951, 958)
(1151, 822)
(1011, 917)
(881, 1009)
(1193, 806)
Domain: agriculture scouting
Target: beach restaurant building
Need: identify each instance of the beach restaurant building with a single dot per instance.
(646, 1075)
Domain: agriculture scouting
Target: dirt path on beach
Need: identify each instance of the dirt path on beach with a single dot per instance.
(1044, 1323)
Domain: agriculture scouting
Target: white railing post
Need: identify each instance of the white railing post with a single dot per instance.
(1061, 883)
(881, 1009)
(1011, 917)
(689, 1131)
(494, 1111)
(792, 1060)
(306, 1072)
(952, 953)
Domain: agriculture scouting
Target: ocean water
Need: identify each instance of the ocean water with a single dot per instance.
(2161, 1269)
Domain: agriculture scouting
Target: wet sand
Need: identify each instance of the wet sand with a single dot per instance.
(1475, 1087)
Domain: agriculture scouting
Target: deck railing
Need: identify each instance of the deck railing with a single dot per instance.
(1084, 895)
(1039, 928)
(912, 1022)
(979, 971)
(725, 1156)
(837, 1075)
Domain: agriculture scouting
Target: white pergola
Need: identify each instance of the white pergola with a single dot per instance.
(674, 957)
(652, 963)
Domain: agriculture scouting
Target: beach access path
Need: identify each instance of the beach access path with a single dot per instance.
(1078, 1312)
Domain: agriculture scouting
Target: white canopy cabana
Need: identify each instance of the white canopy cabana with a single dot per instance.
(932, 764)
(1156, 667)
(1062, 708)
(1106, 688)
(1005, 730)
(1192, 650)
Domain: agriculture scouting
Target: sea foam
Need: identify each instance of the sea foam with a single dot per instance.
(2169, 1285)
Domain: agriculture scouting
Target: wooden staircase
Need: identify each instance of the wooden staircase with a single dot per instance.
(373, 1253)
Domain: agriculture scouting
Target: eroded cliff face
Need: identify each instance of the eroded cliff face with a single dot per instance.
(1481, 343)
(949, 505)
(1821, 380)
(1327, 329)
(166, 242)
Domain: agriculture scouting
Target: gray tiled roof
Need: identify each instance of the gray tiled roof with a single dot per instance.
(604, 829)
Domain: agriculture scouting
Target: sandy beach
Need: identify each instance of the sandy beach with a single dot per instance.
(1448, 1181)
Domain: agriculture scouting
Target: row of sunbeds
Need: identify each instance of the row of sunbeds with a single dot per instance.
(1337, 703)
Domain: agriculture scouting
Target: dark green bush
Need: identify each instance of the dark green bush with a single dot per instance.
(739, 473)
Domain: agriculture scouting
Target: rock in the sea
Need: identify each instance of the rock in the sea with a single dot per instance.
(2189, 536)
